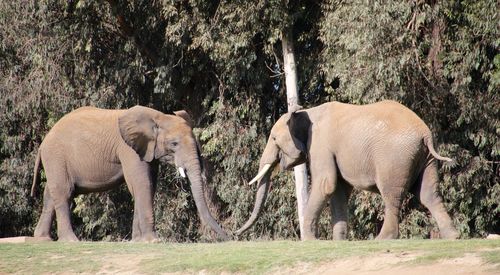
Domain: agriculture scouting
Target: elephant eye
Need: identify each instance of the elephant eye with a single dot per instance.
(174, 143)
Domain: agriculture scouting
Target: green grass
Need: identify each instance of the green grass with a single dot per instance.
(241, 257)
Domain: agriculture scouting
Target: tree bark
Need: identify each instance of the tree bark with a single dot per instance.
(300, 171)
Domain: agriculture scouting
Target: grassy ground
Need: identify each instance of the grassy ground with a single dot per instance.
(240, 257)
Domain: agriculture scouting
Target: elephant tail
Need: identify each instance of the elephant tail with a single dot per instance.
(429, 143)
(36, 172)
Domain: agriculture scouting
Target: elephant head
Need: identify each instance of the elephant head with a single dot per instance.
(287, 146)
(168, 138)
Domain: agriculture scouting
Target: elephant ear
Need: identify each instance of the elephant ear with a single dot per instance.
(139, 130)
(184, 115)
(299, 124)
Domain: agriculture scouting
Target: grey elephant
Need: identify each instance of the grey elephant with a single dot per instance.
(92, 150)
(382, 147)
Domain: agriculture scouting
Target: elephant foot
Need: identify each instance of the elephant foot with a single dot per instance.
(339, 238)
(147, 238)
(40, 236)
(339, 235)
(68, 238)
(308, 237)
(450, 234)
(42, 231)
(387, 236)
(43, 239)
(152, 240)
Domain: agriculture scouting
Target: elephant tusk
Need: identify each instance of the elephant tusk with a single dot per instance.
(182, 172)
(260, 174)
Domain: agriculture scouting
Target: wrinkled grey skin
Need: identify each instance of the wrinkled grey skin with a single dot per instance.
(93, 150)
(382, 147)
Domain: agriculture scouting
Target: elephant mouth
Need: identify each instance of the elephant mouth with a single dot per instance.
(287, 163)
(167, 159)
(300, 160)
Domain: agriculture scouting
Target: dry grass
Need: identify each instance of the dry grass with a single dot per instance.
(233, 257)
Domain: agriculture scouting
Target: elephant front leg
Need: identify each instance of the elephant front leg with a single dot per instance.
(338, 207)
(323, 183)
(143, 222)
(320, 192)
(136, 230)
(324, 180)
(138, 178)
(143, 225)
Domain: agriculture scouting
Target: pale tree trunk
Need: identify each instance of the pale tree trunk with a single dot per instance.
(292, 94)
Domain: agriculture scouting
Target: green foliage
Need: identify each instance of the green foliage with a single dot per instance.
(104, 216)
(222, 62)
(175, 210)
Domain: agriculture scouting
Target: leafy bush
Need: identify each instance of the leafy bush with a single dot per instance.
(222, 63)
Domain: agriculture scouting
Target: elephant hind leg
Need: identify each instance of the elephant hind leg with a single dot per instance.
(426, 191)
(42, 229)
(61, 192)
(338, 209)
(63, 217)
(392, 190)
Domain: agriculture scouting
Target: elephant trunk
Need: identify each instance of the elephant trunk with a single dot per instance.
(268, 161)
(260, 198)
(193, 168)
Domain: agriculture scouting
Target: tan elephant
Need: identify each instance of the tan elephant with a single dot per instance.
(92, 150)
(382, 147)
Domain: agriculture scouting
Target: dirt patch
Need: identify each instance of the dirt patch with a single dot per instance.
(395, 264)
(386, 263)
(24, 239)
(389, 263)
(122, 264)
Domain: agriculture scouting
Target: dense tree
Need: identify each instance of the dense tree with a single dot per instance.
(221, 61)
